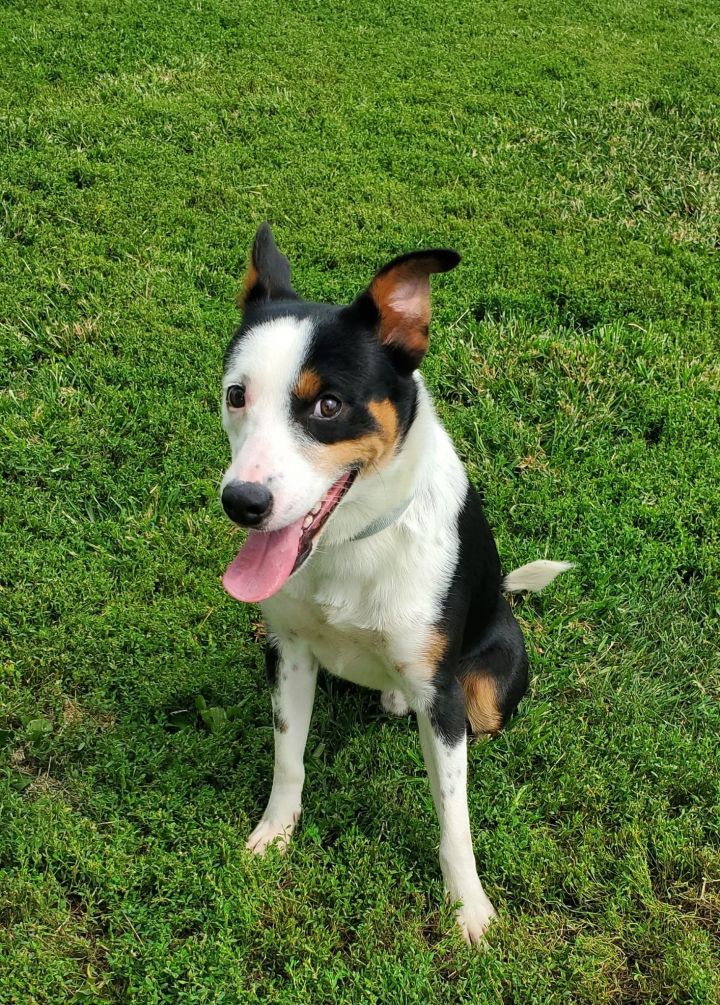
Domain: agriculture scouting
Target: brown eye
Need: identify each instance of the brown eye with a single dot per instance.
(235, 396)
(327, 407)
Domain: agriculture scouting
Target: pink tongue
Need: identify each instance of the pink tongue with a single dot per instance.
(264, 563)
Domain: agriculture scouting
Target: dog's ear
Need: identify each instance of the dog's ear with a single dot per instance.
(268, 272)
(397, 302)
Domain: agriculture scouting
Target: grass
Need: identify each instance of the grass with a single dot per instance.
(570, 153)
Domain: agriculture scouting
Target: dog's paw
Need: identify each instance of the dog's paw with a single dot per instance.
(394, 703)
(270, 831)
(474, 919)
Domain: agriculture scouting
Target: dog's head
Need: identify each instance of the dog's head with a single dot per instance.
(314, 396)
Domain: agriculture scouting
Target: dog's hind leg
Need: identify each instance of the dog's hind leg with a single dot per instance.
(494, 674)
(292, 677)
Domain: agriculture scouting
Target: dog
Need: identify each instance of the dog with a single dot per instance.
(368, 549)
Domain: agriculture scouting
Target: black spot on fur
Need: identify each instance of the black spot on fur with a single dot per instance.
(472, 598)
(271, 664)
(279, 723)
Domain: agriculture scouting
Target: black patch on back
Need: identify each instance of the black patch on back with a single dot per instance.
(472, 598)
(482, 633)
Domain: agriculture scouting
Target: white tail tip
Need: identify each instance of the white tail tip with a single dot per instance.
(534, 576)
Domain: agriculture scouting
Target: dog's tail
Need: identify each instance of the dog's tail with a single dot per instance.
(534, 576)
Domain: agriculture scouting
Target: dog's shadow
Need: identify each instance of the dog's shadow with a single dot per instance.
(344, 716)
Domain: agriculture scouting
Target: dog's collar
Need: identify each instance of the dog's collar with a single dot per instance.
(382, 522)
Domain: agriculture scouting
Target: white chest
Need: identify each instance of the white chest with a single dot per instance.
(367, 608)
(361, 655)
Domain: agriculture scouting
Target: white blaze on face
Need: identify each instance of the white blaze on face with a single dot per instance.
(267, 446)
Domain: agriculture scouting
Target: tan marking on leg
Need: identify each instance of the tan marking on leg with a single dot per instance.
(431, 655)
(481, 703)
(435, 649)
(308, 385)
(370, 451)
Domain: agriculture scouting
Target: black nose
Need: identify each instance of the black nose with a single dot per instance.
(247, 503)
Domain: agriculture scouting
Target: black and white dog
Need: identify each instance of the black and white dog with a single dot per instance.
(368, 550)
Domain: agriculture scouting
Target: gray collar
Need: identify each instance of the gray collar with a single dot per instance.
(382, 522)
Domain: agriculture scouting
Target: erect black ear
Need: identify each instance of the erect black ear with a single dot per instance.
(268, 272)
(398, 302)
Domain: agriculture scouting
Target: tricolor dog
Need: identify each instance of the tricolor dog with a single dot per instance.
(368, 550)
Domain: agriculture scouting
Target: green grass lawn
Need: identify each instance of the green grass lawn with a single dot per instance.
(570, 152)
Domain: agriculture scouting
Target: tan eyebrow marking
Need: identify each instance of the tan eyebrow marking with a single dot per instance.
(308, 385)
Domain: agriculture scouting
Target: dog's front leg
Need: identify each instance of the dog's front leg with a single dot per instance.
(445, 750)
(292, 676)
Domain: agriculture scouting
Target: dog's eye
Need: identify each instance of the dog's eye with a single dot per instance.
(327, 407)
(235, 396)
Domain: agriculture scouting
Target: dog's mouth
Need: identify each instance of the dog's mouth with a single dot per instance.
(268, 558)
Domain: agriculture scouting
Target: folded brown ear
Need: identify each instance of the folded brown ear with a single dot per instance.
(401, 293)
(268, 272)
